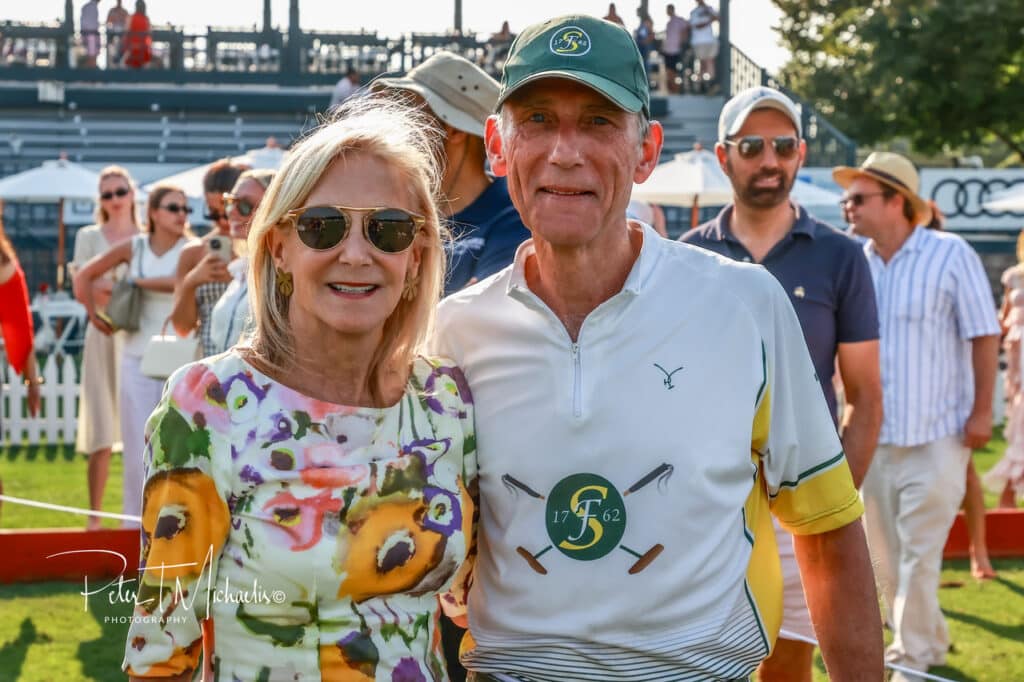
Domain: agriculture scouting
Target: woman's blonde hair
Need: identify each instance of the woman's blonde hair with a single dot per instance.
(1020, 247)
(398, 136)
(101, 215)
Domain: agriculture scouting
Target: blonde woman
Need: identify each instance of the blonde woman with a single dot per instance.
(231, 316)
(117, 220)
(151, 259)
(328, 463)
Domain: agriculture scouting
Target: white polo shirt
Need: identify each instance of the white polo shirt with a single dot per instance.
(626, 479)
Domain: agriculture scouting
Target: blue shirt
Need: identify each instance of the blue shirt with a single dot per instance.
(826, 276)
(485, 236)
(933, 298)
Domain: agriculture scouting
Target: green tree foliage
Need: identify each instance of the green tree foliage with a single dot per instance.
(943, 73)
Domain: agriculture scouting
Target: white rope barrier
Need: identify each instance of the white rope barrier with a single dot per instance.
(69, 510)
(786, 634)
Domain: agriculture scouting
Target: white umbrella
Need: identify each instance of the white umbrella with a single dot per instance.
(690, 179)
(191, 180)
(1012, 200)
(53, 182)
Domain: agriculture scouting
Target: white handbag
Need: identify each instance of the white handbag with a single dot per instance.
(167, 353)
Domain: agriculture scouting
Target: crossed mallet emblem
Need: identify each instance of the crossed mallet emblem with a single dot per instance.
(586, 517)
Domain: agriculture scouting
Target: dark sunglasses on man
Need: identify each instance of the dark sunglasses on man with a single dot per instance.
(119, 192)
(752, 146)
(215, 216)
(176, 208)
(858, 198)
(389, 230)
(244, 206)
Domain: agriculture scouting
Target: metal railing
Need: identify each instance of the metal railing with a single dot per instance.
(826, 144)
(35, 52)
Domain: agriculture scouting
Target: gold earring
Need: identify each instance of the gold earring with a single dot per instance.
(410, 287)
(285, 285)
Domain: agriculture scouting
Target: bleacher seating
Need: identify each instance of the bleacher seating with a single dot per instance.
(30, 136)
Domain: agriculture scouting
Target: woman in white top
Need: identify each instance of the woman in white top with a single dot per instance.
(152, 260)
(231, 315)
(116, 221)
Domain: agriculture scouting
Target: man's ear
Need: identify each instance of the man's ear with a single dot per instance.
(650, 152)
(722, 153)
(494, 147)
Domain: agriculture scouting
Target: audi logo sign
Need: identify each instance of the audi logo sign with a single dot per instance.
(959, 192)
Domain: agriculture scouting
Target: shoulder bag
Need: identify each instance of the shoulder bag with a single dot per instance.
(125, 306)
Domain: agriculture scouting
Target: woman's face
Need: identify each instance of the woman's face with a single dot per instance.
(170, 215)
(351, 288)
(215, 211)
(116, 196)
(247, 195)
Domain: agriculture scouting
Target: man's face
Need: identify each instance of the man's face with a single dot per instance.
(765, 179)
(571, 157)
(868, 211)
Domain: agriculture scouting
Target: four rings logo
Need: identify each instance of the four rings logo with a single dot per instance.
(571, 41)
(964, 198)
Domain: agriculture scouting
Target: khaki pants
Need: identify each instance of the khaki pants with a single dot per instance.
(911, 497)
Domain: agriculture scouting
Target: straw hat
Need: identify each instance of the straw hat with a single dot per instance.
(891, 170)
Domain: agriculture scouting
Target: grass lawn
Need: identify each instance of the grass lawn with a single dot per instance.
(49, 632)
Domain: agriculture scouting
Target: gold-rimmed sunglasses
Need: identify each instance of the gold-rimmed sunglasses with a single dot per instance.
(389, 230)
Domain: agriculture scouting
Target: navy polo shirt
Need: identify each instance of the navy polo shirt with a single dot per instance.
(826, 275)
(485, 235)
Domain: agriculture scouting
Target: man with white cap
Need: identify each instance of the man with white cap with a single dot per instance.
(826, 276)
(485, 226)
(642, 407)
(939, 348)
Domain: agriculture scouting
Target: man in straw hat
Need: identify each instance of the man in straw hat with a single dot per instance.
(939, 346)
(635, 441)
(485, 226)
(828, 282)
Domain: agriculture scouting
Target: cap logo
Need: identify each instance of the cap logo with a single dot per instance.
(571, 41)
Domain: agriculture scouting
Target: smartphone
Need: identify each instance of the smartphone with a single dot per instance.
(219, 246)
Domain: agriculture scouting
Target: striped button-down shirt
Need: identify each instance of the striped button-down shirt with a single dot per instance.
(933, 298)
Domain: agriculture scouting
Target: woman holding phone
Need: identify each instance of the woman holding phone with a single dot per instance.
(231, 317)
(332, 462)
(202, 276)
(151, 259)
(117, 220)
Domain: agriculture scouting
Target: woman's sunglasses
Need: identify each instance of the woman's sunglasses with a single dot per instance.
(119, 192)
(389, 230)
(244, 206)
(752, 146)
(175, 208)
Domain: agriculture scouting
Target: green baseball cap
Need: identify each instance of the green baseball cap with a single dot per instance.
(588, 50)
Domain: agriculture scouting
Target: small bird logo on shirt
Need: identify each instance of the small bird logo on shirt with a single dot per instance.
(668, 376)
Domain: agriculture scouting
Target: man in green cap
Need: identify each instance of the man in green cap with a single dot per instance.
(642, 407)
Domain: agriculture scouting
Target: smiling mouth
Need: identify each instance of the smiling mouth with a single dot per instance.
(352, 288)
(562, 192)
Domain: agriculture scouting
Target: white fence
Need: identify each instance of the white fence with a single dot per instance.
(58, 411)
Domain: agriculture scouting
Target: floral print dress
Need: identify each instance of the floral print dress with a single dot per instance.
(317, 536)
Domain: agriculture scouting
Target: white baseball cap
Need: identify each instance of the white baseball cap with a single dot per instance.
(736, 110)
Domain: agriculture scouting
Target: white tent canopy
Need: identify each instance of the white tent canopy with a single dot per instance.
(50, 183)
(191, 180)
(53, 183)
(1009, 201)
